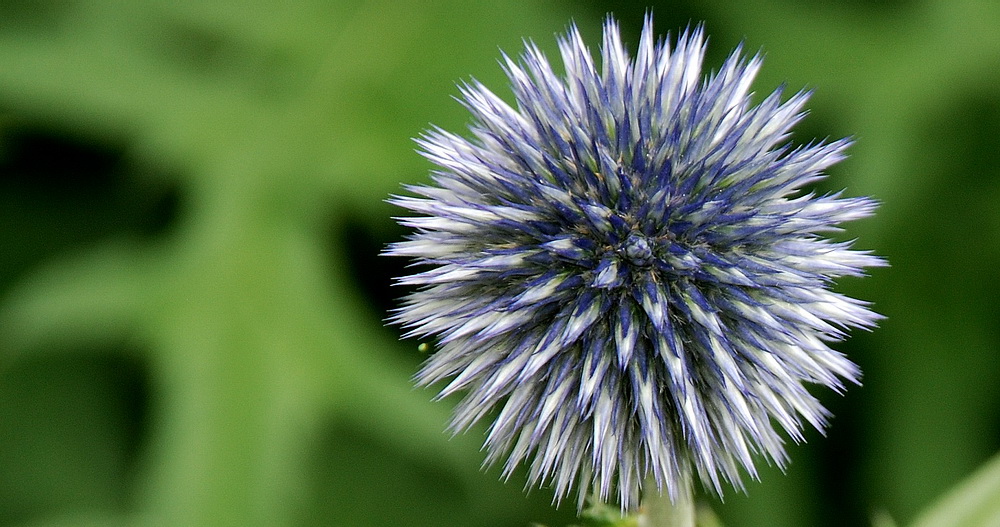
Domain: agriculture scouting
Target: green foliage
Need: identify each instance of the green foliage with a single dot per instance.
(600, 515)
(186, 333)
(976, 501)
(275, 396)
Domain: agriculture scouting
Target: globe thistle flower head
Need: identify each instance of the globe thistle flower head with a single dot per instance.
(625, 274)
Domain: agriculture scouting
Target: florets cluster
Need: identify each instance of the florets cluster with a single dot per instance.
(625, 273)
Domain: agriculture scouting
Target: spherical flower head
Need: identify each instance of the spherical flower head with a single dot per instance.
(625, 273)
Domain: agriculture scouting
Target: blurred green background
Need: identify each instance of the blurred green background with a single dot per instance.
(191, 300)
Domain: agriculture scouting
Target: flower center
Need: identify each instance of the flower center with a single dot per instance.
(637, 251)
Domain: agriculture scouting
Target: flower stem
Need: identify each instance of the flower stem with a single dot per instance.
(658, 510)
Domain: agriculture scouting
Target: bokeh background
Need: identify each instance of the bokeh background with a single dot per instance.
(191, 297)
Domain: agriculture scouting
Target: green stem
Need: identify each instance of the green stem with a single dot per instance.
(658, 510)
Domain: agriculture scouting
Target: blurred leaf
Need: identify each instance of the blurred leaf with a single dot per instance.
(272, 117)
(974, 502)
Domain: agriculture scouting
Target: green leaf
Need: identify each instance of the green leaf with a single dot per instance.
(279, 397)
(974, 502)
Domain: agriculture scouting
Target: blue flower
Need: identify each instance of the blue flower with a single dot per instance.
(625, 274)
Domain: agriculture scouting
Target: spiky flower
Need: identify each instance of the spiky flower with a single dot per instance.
(626, 274)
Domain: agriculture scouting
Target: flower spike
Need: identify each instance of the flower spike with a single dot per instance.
(624, 270)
